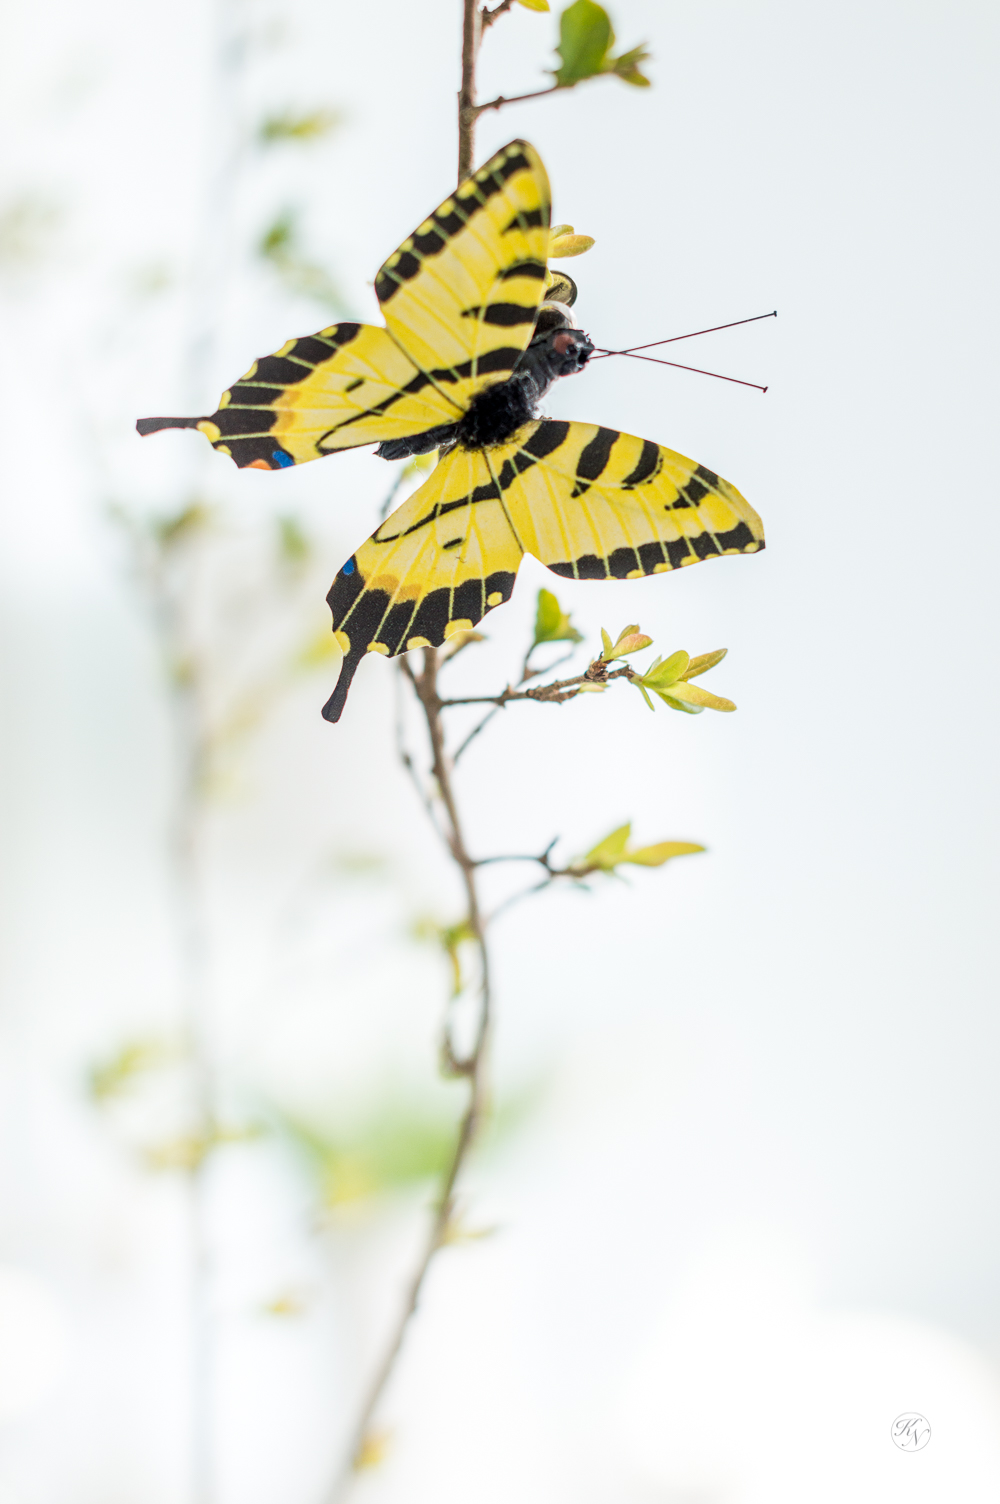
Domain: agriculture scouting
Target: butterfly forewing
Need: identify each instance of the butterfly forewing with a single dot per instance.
(347, 385)
(461, 294)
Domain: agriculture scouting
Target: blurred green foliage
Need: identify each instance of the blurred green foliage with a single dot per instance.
(586, 38)
(125, 1068)
(397, 1145)
(288, 126)
(450, 937)
(614, 851)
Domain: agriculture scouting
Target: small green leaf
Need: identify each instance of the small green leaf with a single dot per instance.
(704, 662)
(585, 42)
(588, 686)
(562, 246)
(693, 694)
(534, 4)
(608, 645)
(552, 623)
(558, 231)
(655, 856)
(609, 851)
(628, 642)
(662, 675)
(627, 67)
(585, 38)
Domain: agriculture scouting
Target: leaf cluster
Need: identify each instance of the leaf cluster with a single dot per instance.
(586, 38)
(614, 851)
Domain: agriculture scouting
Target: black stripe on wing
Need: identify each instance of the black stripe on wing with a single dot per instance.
(446, 222)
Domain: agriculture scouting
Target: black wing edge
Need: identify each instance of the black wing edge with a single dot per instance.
(146, 426)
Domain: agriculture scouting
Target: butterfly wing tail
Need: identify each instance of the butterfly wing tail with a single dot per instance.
(146, 426)
(334, 707)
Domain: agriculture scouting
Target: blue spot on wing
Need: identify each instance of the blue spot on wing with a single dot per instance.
(282, 458)
(348, 567)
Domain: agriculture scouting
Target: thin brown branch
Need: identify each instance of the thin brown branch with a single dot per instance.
(555, 693)
(502, 99)
(487, 17)
(467, 109)
(471, 1066)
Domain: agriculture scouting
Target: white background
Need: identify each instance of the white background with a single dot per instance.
(754, 1215)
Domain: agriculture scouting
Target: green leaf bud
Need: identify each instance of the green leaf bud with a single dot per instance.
(552, 623)
(585, 38)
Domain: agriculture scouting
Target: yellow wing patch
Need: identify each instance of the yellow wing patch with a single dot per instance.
(590, 502)
(350, 384)
(461, 294)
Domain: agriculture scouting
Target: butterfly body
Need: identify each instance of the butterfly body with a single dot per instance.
(496, 413)
(469, 349)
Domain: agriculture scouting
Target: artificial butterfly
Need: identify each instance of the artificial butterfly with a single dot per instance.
(477, 330)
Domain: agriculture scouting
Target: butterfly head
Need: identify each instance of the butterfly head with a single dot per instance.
(557, 344)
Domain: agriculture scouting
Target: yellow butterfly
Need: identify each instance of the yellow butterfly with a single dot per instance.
(477, 331)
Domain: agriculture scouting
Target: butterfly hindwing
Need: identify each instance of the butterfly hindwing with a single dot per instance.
(347, 385)
(435, 566)
(461, 294)
(590, 502)
(596, 504)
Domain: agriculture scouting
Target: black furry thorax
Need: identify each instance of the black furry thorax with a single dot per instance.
(495, 414)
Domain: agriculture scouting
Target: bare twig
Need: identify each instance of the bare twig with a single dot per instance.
(501, 100)
(467, 111)
(541, 858)
(487, 17)
(555, 693)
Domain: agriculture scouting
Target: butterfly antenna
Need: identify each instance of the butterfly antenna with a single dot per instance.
(695, 333)
(653, 360)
